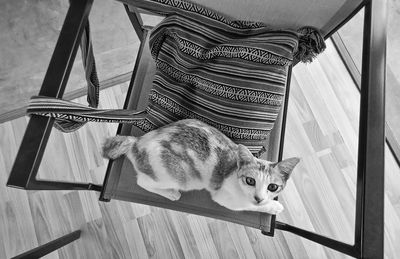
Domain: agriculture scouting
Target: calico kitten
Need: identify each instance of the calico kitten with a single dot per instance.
(191, 155)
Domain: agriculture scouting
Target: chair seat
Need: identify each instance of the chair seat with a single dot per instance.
(120, 181)
(195, 202)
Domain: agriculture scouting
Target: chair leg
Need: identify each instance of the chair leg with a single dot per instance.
(50, 246)
(33, 144)
(369, 229)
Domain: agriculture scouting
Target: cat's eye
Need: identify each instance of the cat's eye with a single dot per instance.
(272, 187)
(250, 181)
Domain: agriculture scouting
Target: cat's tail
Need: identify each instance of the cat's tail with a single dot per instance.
(117, 146)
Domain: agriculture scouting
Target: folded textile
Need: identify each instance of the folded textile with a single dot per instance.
(229, 74)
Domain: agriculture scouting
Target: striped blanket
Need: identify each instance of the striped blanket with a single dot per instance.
(229, 74)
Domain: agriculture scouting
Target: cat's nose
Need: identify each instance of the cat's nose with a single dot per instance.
(258, 199)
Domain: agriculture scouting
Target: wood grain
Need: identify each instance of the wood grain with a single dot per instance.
(185, 235)
(203, 237)
(222, 239)
(241, 241)
(165, 245)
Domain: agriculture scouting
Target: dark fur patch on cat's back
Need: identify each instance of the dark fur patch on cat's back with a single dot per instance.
(191, 137)
(174, 161)
(143, 162)
(226, 165)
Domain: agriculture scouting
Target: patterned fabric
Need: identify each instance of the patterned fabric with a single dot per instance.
(67, 111)
(229, 74)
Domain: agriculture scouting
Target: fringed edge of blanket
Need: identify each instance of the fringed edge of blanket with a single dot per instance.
(311, 43)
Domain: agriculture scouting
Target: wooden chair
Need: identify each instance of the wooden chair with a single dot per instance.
(119, 183)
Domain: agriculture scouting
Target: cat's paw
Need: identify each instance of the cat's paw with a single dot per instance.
(173, 195)
(273, 207)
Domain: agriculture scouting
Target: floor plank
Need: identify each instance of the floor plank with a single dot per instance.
(185, 235)
(222, 239)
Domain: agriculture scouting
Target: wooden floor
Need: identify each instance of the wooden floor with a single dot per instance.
(321, 129)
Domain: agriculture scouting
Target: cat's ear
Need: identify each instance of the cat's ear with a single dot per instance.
(286, 166)
(245, 156)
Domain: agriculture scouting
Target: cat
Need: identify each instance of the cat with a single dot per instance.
(191, 155)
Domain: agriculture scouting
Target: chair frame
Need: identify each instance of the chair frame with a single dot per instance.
(50, 246)
(369, 220)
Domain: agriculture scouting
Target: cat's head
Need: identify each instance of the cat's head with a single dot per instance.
(261, 180)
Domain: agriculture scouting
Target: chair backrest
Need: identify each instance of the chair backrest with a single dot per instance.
(230, 74)
(325, 15)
